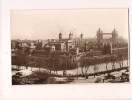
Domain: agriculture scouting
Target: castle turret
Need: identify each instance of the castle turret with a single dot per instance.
(71, 36)
(60, 35)
(99, 36)
(114, 36)
(81, 36)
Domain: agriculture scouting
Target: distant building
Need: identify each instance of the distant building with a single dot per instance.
(22, 45)
(58, 46)
(66, 44)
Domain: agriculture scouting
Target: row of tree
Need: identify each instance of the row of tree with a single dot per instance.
(86, 62)
(64, 62)
(55, 62)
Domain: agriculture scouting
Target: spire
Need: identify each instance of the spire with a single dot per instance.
(71, 35)
(60, 35)
(81, 36)
(114, 31)
(99, 31)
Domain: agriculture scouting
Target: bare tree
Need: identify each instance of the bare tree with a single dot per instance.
(106, 60)
(85, 63)
(95, 65)
(21, 59)
(113, 61)
(82, 64)
(96, 68)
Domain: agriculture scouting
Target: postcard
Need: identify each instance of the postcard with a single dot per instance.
(69, 46)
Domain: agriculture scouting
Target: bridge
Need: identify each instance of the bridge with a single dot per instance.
(99, 41)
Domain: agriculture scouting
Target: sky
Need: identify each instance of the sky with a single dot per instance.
(47, 24)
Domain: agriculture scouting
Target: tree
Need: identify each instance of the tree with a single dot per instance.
(95, 64)
(82, 64)
(104, 49)
(56, 65)
(39, 63)
(106, 60)
(21, 59)
(27, 51)
(49, 65)
(39, 46)
(31, 62)
(89, 62)
(85, 63)
(113, 60)
(77, 64)
(108, 49)
(27, 61)
(120, 60)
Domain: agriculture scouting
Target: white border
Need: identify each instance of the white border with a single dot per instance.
(56, 92)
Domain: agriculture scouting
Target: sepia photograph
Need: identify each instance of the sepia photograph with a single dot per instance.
(69, 46)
